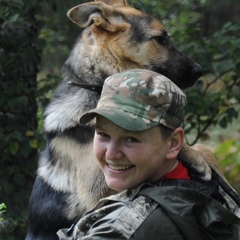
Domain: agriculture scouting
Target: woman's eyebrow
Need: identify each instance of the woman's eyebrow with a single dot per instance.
(99, 126)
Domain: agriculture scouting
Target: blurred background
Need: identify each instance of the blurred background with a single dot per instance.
(36, 38)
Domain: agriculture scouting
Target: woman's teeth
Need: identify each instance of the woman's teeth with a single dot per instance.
(120, 168)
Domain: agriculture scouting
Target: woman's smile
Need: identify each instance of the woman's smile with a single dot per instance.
(120, 167)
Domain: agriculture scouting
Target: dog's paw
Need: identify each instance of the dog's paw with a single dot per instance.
(198, 159)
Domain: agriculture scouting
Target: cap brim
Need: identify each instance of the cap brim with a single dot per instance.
(119, 117)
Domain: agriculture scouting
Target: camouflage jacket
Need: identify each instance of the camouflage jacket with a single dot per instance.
(166, 210)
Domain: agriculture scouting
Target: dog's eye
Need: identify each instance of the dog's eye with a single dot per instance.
(163, 40)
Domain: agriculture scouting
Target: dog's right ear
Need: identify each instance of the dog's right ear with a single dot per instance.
(97, 13)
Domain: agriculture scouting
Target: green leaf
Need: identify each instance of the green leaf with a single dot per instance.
(14, 147)
(14, 18)
(30, 133)
(34, 143)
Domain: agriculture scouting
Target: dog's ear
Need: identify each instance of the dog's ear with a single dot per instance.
(97, 13)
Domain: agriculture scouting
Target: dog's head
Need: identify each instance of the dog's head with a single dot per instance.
(118, 37)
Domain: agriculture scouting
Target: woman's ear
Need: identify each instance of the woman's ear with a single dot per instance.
(176, 142)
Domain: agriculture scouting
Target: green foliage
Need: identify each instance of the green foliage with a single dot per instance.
(3, 209)
(59, 34)
(21, 103)
(215, 98)
(20, 50)
(228, 155)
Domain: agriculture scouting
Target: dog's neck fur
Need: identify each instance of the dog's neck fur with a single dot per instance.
(76, 81)
(85, 69)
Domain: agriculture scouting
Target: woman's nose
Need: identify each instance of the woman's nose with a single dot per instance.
(114, 151)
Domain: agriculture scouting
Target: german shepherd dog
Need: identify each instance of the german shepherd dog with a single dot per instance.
(116, 37)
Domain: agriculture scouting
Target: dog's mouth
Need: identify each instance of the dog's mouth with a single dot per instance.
(183, 79)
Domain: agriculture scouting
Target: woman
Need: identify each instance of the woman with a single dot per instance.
(137, 140)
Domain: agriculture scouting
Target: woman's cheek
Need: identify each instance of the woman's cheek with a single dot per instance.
(98, 149)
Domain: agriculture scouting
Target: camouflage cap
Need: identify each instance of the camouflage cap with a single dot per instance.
(139, 99)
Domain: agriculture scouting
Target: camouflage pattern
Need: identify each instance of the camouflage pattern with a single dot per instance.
(139, 99)
(131, 214)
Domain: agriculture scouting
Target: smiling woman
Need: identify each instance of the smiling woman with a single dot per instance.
(141, 163)
(131, 158)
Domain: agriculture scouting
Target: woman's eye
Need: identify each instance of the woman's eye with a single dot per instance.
(132, 140)
(102, 135)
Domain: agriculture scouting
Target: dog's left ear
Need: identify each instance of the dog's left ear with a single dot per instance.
(96, 13)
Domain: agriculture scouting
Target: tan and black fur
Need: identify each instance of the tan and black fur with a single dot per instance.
(116, 37)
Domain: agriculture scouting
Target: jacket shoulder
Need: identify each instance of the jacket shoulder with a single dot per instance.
(158, 224)
(193, 214)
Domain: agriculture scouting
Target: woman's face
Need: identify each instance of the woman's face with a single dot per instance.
(128, 159)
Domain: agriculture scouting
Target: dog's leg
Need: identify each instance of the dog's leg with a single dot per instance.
(202, 159)
(47, 211)
(198, 158)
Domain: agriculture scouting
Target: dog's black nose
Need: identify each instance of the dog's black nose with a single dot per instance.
(197, 71)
